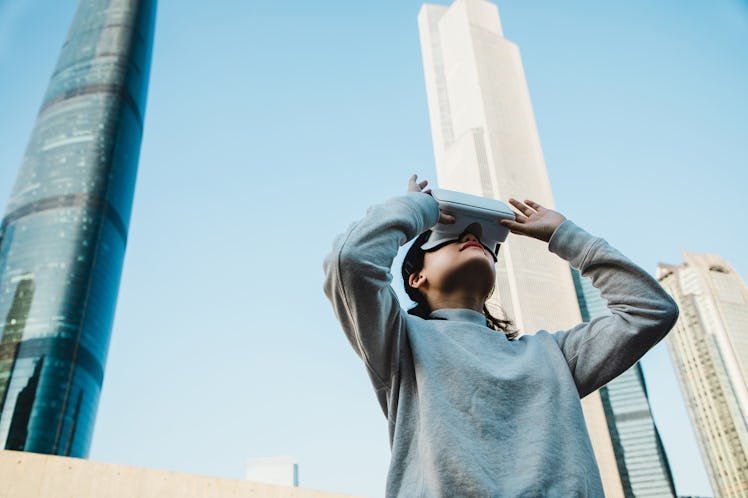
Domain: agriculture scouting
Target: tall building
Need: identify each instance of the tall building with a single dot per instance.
(63, 237)
(274, 470)
(642, 461)
(709, 350)
(486, 143)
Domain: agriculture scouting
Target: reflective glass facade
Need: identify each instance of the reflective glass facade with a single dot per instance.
(642, 462)
(709, 350)
(63, 237)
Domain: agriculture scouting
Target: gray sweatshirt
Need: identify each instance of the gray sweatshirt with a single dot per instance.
(470, 412)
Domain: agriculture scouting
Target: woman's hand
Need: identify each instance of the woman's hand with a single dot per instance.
(533, 220)
(415, 186)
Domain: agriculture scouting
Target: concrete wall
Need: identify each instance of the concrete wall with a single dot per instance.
(30, 475)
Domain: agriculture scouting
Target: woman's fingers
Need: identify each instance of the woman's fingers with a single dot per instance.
(524, 209)
(513, 226)
(414, 185)
(446, 218)
(533, 220)
(519, 217)
(533, 204)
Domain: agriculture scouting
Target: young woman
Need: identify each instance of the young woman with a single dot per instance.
(472, 410)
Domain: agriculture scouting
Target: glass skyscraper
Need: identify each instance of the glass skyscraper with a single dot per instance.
(63, 237)
(642, 462)
(709, 350)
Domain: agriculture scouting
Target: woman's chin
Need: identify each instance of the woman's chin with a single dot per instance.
(476, 273)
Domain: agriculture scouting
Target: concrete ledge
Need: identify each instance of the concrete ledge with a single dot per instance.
(31, 475)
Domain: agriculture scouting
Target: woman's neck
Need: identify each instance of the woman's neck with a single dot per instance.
(460, 300)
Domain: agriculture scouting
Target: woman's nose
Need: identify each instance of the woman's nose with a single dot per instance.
(469, 236)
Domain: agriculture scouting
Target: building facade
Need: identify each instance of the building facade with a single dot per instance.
(29, 475)
(63, 236)
(274, 470)
(486, 143)
(640, 455)
(709, 351)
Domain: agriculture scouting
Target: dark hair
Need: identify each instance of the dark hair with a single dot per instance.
(413, 263)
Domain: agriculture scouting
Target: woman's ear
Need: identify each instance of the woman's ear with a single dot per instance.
(415, 280)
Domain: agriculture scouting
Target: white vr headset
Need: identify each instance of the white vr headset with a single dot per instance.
(474, 214)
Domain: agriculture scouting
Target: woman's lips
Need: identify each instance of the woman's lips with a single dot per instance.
(472, 244)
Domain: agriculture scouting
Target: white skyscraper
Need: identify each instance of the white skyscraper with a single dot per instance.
(709, 350)
(486, 143)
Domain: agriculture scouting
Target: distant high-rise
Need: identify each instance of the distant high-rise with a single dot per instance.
(709, 350)
(274, 470)
(486, 143)
(63, 237)
(642, 461)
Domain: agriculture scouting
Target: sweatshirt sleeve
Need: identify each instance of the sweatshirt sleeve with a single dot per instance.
(357, 280)
(641, 312)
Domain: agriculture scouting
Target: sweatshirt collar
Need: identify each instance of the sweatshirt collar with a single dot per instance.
(459, 315)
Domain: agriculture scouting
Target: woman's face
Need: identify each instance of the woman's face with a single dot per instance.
(464, 264)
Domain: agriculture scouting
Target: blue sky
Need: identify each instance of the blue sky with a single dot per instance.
(271, 126)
